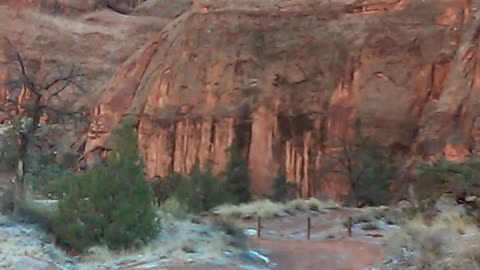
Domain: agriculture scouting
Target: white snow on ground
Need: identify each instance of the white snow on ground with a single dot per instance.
(179, 241)
(20, 240)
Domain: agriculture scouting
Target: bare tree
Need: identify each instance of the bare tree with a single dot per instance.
(369, 170)
(41, 96)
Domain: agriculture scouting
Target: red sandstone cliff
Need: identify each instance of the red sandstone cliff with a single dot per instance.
(97, 40)
(284, 79)
(287, 80)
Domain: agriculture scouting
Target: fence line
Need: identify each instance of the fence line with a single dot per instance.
(308, 228)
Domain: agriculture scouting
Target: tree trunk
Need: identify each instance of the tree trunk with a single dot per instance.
(411, 195)
(352, 194)
(25, 133)
(20, 194)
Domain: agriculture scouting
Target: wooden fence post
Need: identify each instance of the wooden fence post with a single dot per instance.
(349, 226)
(259, 226)
(309, 226)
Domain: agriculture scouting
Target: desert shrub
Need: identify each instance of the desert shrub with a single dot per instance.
(432, 179)
(235, 235)
(8, 149)
(312, 204)
(45, 177)
(369, 169)
(438, 245)
(237, 178)
(172, 208)
(201, 191)
(264, 208)
(49, 181)
(109, 205)
(166, 187)
(38, 213)
(282, 189)
(41, 168)
(268, 209)
(422, 247)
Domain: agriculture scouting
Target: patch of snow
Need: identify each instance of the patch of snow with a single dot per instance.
(255, 254)
(151, 265)
(381, 225)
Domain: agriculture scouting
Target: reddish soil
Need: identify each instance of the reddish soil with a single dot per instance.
(323, 254)
(330, 248)
(290, 250)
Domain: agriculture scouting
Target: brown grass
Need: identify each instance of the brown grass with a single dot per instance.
(268, 209)
(183, 237)
(437, 244)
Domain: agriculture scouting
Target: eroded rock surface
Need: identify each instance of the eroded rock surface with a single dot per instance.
(49, 37)
(286, 80)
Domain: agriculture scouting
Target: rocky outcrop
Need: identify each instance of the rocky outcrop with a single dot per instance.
(451, 124)
(52, 36)
(286, 81)
(95, 42)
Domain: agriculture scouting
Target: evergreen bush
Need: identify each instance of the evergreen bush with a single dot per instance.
(369, 170)
(237, 178)
(110, 204)
(432, 179)
(201, 191)
(166, 187)
(282, 189)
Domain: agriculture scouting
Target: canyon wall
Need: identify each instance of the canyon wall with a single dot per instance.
(286, 81)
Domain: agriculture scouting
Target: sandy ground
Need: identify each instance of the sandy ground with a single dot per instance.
(335, 254)
(284, 242)
(286, 239)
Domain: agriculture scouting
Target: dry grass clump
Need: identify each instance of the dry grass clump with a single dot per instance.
(268, 209)
(172, 210)
(435, 244)
(182, 237)
(179, 240)
(313, 204)
(460, 222)
(467, 259)
(421, 246)
(263, 208)
(373, 214)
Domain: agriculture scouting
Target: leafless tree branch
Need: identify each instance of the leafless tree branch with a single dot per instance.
(42, 94)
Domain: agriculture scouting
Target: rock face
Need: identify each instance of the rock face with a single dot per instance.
(95, 40)
(286, 80)
(53, 35)
(283, 80)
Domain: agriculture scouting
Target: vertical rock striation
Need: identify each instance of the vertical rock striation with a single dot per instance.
(286, 80)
